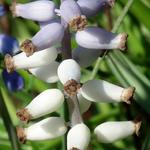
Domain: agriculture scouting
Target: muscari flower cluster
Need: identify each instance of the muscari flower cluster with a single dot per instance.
(39, 57)
(9, 44)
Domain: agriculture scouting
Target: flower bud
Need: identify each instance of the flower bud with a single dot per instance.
(45, 103)
(46, 73)
(97, 38)
(21, 61)
(78, 137)
(102, 91)
(91, 7)
(69, 75)
(85, 57)
(38, 11)
(112, 131)
(8, 44)
(84, 104)
(48, 128)
(71, 13)
(48, 36)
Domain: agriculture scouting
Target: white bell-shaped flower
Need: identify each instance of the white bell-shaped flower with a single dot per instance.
(38, 11)
(48, 36)
(97, 38)
(92, 7)
(85, 57)
(84, 104)
(47, 73)
(21, 61)
(46, 102)
(78, 137)
(68, 70)
(71, 13)
(103, 91)
(48, 128)
(112, 131)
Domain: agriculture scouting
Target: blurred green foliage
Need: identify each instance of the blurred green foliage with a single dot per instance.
(130, 68)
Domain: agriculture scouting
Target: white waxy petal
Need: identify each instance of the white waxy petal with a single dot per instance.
(102, 91)
(45, 103)
(48, 128)
(67, 70)
(92, 7)
(48, 36)
(78, 137)
(112, 131)
(21, 61)
(97, 38)
(84, 104)
(71, 13)
(38, 11)
(85, 57)
(46, 73)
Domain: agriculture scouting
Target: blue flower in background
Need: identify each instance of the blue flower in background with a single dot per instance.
(2, 10)
(8, 44)
(13, 81)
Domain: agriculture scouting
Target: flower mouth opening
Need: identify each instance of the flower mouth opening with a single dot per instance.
(21, 135)
(71, 88)
(13, 9)
(24, 115)
(78, 23)
(111, 3)
(127, 95)
(74, 148)
(9, 63)
(123, 41)
(28, 47)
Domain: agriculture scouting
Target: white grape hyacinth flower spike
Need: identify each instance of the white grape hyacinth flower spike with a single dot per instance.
(71, 13)
(46, 129)
(103, 91)
(112, 131)
(78, 137)
(97, 38)
(37, 11)
(48, 36)
(46, 102)
(38, 59)
(69, 75)
(47, 73)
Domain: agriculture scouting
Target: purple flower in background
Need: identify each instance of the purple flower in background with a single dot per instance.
(8, 44)
(13, 81)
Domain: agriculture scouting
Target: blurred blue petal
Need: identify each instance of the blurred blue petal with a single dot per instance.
(8, 44)
(13, 81)
(2, 11)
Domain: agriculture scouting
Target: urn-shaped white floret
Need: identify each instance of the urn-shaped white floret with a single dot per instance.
(103, 91)
(109, 132)
(67, 70)
(21, 61)
(46, 102)
(46, 73)
(84, 104)
(48, 36)
(85, 57)
(78, 137)
(97, 38)
(38, 11)
(91, 7)
(48, 128)
(71, 13)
